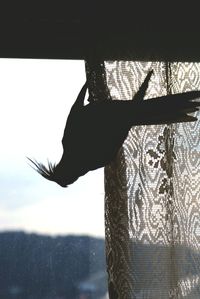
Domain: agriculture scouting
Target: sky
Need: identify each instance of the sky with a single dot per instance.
(35, 99)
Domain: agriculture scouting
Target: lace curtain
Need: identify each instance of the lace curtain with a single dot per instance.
(152, 189)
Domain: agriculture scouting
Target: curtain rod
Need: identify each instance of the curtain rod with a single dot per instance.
(76, 29)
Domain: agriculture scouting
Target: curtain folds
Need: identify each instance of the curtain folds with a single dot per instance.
(152, 189)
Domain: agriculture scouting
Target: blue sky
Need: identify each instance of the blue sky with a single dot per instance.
(35, 99)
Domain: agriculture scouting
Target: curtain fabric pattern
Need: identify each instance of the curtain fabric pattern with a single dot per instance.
(152, 190)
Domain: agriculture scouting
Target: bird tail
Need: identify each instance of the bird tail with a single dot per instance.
(139, 96)
(167, 109)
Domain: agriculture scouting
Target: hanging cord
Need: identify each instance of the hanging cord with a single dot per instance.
(169, 136)
(168, 72)
(170, 202)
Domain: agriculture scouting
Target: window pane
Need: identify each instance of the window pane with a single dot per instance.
(51, 238)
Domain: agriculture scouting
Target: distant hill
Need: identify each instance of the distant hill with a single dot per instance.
(42, 267)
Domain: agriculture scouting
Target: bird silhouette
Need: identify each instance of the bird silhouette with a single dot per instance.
(95, 132)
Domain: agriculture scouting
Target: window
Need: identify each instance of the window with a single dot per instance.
(51, 239)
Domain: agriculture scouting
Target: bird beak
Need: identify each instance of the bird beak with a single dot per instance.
(63, 185)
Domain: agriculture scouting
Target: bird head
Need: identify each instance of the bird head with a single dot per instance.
(53, 172)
